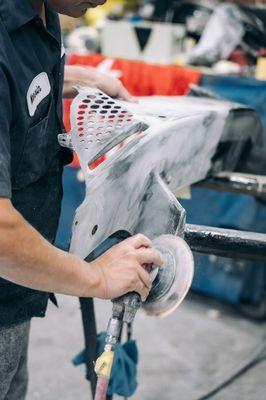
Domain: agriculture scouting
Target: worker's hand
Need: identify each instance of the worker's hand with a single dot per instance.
(121, 268)
(90, 77)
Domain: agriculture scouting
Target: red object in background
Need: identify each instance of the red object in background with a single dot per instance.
(262, 52)
(239, 57)
(140, 78)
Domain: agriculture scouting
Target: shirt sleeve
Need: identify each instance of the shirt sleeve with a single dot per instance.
(5, 122)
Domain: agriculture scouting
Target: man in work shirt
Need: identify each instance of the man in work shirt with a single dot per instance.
(31, 163)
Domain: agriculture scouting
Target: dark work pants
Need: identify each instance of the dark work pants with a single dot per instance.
(13, 361)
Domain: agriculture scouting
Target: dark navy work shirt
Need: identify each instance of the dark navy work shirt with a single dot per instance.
(31, 160)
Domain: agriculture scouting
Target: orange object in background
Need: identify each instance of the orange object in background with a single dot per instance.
(140, 78)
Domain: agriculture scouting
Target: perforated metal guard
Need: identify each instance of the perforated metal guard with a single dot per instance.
(98, 124)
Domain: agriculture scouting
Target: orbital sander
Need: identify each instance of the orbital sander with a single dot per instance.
(171, 282)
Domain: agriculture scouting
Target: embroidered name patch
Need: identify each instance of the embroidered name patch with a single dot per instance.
(39, 89)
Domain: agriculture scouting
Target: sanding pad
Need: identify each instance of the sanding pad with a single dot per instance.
(173, 279)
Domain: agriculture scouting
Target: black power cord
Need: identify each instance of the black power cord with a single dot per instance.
(258, 357)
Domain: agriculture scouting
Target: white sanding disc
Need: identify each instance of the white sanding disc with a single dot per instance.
(174, 277)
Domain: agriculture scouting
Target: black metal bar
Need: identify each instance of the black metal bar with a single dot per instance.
(226, 242)
(232, 182)
(91, 340)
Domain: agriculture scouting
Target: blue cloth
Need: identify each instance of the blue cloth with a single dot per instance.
(123, 381)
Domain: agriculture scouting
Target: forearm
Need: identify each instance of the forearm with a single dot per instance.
(78, 76)
(27, 259)
(90, 77)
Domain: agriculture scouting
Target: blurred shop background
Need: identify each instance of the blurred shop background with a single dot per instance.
(162, 48)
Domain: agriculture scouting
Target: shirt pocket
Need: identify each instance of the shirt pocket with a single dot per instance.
(33, 160)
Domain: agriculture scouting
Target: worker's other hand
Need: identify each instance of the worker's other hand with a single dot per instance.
(90, 77)
(121, 269)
